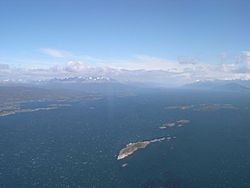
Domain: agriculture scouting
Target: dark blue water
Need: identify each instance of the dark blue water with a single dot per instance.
(77, 146)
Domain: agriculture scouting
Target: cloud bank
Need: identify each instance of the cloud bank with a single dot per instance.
(141, 68)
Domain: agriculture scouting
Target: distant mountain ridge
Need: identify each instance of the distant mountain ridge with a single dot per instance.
(80, 79)
(223, 85)
(99, 84)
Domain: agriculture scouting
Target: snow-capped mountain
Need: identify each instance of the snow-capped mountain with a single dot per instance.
(82, 80)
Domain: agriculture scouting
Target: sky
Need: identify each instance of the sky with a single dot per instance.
(188, 40)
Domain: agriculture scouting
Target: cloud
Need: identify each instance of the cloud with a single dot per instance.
(140, 68)
(246, 59)
(242, 63)
(144, 62)
(55, 53)
(4, 66)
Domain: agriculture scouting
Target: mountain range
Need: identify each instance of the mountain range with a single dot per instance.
(221, 85)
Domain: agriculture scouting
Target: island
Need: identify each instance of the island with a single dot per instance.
(183, 107)
(203, 107)
(215, 107)
(178, 123)
(167, 125)
(132, 147)
(183, 121)
(59, 105)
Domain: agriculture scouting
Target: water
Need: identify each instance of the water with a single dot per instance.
(77, 146)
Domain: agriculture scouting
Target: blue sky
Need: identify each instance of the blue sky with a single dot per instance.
(202, 31)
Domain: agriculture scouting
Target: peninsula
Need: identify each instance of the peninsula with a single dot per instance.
(18, 110)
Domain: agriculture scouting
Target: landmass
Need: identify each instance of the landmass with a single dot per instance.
(133, 147)
(12, 98)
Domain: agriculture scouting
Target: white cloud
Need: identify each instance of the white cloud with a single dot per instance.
(4, 66)
(55, 53)
(246, 59)
(141, 68)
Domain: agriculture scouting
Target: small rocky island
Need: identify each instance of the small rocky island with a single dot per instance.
(132, 147)
(167, 125)
(203, 107)
(178, 123)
